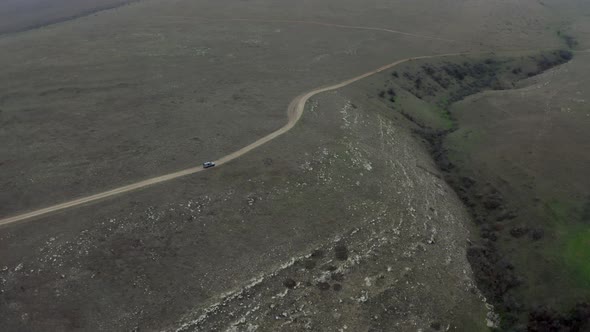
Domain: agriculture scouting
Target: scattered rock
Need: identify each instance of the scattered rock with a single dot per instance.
(363, 298)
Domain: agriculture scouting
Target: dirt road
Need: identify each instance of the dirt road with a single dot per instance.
(294, 112)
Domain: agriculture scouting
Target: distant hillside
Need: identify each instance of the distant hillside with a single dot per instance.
(21, 15)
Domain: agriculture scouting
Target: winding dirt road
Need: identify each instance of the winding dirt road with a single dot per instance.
(294, 112)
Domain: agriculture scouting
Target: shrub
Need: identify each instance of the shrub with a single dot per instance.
(566, 55)
(418, 83)
(323, 285)
(570, 41)
(428, 70)
(289, 283)
(341, 252)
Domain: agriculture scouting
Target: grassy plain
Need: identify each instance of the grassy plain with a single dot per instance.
(156, 86)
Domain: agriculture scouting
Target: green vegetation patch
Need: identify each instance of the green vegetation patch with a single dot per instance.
(560, 211)
(466, 139)
(422, 92)
(425, 113)
(569, 40)
(573, 237)
(577, 253)
(525, 245)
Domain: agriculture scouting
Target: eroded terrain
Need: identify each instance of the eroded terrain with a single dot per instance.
(343, 223)
(361, 184)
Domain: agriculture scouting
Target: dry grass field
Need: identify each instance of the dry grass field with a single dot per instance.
(344, 222)
(108, 83)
